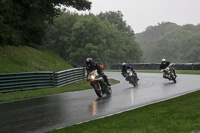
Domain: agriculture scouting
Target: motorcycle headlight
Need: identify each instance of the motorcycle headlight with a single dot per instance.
(167, 69)
(92, 77)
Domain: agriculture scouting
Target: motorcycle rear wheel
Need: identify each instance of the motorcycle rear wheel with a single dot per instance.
(108, 91)
(173, 77)
(174, 80)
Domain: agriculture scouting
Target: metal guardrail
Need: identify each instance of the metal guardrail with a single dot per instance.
(35, 80)
(66, 77)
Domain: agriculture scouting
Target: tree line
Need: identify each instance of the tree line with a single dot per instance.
(24, 22)
(104, 37)
(179, 44)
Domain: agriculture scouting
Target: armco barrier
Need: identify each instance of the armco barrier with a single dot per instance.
(155, 66)
(35, 80)
(66, 77)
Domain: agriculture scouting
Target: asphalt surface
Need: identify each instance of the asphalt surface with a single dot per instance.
(51, 112)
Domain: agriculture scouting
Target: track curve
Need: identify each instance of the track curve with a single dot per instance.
(46, 113)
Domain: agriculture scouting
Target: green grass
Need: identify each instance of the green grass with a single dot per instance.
(177, 115)
(19, 95)
(27, 59)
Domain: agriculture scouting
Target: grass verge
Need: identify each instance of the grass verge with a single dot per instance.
(177, 115)
(19, 95)
(28, 59)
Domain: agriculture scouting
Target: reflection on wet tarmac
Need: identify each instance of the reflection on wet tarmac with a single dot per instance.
(94, 108)
(99, 105)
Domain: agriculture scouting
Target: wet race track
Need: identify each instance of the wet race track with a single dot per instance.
(46, 113)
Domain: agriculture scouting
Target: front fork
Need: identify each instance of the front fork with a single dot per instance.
(167, 76)
(96, 83)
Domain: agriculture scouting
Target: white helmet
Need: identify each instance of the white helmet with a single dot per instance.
(163, 60)
(123, 64)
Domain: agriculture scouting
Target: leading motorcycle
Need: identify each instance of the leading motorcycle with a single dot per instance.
(98, 83)
(131, 77)
(169, 73)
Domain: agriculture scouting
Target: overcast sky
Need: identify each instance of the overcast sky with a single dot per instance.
(140, 14)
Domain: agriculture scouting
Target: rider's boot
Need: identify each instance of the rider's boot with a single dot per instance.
(106, 80)
(174, 72)
(108, 84)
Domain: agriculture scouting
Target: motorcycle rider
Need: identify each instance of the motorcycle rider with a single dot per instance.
(164, 64)
(124, 70)
(91, 66)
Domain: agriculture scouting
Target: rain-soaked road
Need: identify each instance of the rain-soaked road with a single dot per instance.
(46, 113)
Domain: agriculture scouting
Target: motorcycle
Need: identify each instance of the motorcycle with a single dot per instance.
(169, 73)
(131, 77)
(98, 83)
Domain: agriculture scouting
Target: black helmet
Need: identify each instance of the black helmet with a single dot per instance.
(89, 61)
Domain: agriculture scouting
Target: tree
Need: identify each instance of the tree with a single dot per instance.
(25, 22)
(171, 41)
(58, 37)
(116, 18)
(88, 36)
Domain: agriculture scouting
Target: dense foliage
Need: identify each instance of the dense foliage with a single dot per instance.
(105, 37)
(24, 22)
(168, 40)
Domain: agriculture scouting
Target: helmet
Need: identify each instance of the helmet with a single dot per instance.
(89, 61)
(163, 60)
(123, 64)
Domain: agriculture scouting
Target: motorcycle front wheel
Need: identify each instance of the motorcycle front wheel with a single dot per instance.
(97, 89)
(134, 81)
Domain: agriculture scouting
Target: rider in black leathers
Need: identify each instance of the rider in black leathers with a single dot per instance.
(164, 65)
(91, 66)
